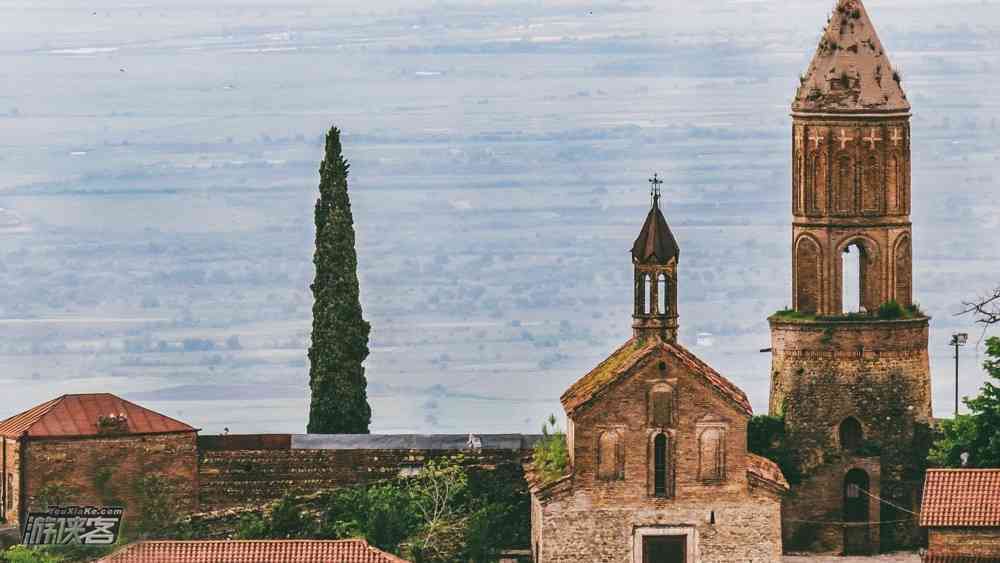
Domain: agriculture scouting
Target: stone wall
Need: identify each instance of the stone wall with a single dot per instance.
(10, 473)
(105, 470)
(599, 514)
(743, 530)
(253, 469)
(876, 372)
(978, 542)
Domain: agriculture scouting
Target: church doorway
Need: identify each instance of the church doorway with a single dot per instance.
(664, 549)
(857, 538)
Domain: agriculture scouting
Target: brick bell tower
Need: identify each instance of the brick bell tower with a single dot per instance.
(854, 388)
(654, 256)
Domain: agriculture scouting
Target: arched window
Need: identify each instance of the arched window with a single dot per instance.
(640, 293)
(844, 185)
(610, 456)
(871, 185)
(664, 303)
(851, 434)
(661, 406)
(807, 283)
(851, 278)
(816, 190)
(892, 175)
(647, 282)
(661, 466)
(903, 269)
(712, 454)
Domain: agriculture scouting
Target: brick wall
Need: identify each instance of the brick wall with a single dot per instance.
(232, 475)
(978, 542)
(102, 470)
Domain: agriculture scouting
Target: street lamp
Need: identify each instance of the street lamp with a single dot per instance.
(957, 340)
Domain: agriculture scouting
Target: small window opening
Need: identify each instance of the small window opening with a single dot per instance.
(660, 465)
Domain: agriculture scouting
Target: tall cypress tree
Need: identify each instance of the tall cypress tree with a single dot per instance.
(339, 332)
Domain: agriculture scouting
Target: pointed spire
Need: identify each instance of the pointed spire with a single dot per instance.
(655, 244)
(850, 72)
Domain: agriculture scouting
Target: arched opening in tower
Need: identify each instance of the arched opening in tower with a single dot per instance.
(856, 531)
(662, 293)
(647, 290)
(852, 278)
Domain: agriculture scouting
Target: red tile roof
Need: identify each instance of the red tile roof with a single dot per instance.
(76, 415)
(961, 497)
(766, 470)
(620, 363)
(251, 551)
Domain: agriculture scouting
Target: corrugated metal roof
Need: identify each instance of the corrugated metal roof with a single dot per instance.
(961, 497)
(251, 551)
(77, 415)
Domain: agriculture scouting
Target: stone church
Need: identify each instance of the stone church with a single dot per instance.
(852, 379)
(658, 464)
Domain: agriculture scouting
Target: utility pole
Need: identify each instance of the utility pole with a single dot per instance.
(957, 340)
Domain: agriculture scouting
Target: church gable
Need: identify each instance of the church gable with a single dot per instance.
(631, 357)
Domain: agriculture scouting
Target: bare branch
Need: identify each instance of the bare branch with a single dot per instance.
(986, 308)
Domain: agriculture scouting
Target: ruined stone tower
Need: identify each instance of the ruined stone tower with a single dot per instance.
(851, 379)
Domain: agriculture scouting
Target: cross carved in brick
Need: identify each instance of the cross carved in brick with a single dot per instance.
(871, 139)
(816, 139)
(896, 137)
(844, 139)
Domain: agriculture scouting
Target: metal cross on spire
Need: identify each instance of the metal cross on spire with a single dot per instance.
(654, 189)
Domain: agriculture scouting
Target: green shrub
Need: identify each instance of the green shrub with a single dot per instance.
(550, 457)
(891, 310)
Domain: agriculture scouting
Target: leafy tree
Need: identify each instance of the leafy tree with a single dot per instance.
(339, 333)
(766, 438)
(977, 433)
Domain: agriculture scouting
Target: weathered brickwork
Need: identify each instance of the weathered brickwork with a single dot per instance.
(104, 470)
(252, 476)
(10, 450)
(850, 186)
(970, 542)
(878, 373)
(851, 351)
(596, 514)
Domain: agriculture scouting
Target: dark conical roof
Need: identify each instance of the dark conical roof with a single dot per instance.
(655, 243)
(850, 71)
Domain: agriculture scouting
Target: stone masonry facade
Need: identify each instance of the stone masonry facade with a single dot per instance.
(590, 517)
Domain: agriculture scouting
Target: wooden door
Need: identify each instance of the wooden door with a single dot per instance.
(664, 549)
